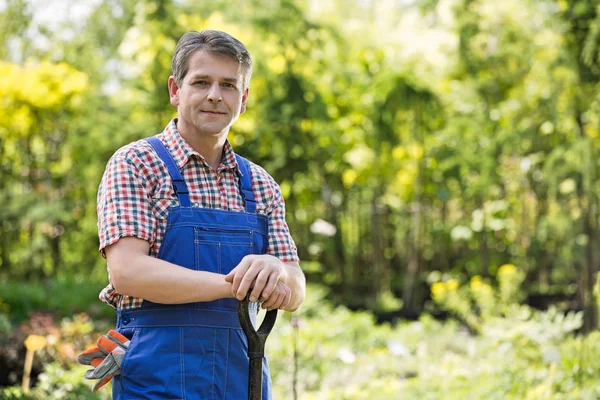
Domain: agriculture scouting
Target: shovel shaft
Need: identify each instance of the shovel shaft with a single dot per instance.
(256, 345)
(255, 379)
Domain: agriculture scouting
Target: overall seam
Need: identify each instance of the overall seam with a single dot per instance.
(196, 250)
(219, 268)
(214, 363)
(164, 241)
(226, 364)
(181, 360)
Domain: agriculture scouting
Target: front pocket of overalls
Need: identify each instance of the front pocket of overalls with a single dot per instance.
(152, 367)
(223, 235)
(219, 250)
(131, 334)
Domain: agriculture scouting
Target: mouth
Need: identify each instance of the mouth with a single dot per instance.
(212, 112)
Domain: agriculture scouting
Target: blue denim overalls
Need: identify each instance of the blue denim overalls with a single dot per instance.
(196, 350)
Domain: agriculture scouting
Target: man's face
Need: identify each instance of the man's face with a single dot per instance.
(210, 97)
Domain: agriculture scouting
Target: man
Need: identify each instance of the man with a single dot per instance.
(188, 228)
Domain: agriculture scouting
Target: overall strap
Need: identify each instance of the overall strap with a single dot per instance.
(246, 184)
(179, 185)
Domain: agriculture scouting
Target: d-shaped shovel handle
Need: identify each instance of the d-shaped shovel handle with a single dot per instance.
(256, 345)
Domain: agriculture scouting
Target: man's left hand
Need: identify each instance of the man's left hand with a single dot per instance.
(262, 274)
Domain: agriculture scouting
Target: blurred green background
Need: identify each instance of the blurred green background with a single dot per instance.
(439, 160)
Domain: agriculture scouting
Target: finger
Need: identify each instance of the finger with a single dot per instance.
(277, 300)
(229, 279)
(106, 368)
(270, 287)
(282, 301)
(270, 301)
(118, 339)
(108, 345)
(248, 280)
(87, 356)
(277, 297)
(231, 275)
(101, 383)
(259, 284)
(287, 298)
(96, 361)
(238, 274)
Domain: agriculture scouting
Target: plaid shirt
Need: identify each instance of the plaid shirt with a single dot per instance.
(135, 194)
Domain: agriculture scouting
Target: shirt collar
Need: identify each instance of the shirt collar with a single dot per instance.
(181, 150)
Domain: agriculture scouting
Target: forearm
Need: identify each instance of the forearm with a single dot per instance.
(295, 280)
(133, 272)
(162, 282)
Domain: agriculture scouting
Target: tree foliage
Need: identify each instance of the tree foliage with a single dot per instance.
(439, 137)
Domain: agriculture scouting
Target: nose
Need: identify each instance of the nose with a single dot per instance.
(214, 93)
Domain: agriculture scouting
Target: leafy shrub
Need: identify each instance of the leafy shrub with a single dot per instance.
(61, 297)
(323, 352)
(14, 393)
(60, 376)
(510, 351)
(58, 382)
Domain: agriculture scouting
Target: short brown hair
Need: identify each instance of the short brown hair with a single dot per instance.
(213, 42)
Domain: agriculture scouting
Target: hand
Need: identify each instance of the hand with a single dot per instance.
(279, 298)
(106, 358)
(262, 274)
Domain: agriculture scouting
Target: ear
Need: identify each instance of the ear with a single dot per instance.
(173, 91)
(244, 100)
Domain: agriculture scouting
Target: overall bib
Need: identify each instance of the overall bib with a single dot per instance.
(194, 351)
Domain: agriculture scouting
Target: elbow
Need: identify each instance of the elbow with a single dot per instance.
(119, 277)
(124, 259)
(124, 275)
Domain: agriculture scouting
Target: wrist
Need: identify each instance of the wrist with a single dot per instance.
(225, 289)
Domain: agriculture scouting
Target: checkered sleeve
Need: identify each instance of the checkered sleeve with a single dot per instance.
(124, 204)
(281, 244)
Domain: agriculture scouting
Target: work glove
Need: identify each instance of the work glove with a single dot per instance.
(106, 358)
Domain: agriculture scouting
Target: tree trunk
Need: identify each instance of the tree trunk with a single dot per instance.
(338, 255)
(413, 262)
(545, 263)
(483, 248)
(589, 276)
(587, 199)
(377, 245)
(412, 269)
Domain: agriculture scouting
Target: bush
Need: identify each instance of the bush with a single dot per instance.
(60, 297)
(510, 351)
(58, 382)
(14, 393)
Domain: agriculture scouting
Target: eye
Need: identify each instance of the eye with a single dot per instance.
(228, 85)
(201, 82)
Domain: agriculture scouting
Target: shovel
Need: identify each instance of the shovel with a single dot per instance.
(256, 345)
